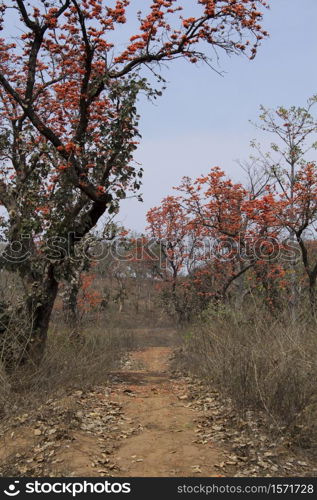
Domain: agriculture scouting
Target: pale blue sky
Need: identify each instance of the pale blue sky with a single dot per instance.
(203, 119)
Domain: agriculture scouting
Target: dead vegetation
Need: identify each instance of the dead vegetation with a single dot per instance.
(247, 437)
(106, 333)
(66, 365)
(263, 363)
(253, 391)
(77, 431)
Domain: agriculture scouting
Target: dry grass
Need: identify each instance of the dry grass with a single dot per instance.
(261, 362)
(105, 337)
(66, 365)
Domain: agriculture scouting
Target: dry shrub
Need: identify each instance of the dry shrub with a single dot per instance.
(261, 362)
(66, 365)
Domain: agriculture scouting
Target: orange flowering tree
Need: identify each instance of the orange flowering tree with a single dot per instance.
(68, 94)
(210, 236)
(238, 225)
(298, 215)
(177, 240)
(292, 169)
(262, 229)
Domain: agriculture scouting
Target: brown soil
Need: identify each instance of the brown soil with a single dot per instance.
(166, 446)
(146, 421)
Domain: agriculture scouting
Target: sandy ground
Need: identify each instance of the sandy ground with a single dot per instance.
(165, 447)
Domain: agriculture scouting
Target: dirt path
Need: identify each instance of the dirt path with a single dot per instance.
(166, 444)
(143, 422)
(139, 424)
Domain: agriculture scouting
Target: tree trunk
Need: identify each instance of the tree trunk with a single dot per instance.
(23, 336)
(41, 315)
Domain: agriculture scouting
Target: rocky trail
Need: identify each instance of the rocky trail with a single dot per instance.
(146, 421)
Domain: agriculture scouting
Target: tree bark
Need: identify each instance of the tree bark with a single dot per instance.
(24, 332)
(40, 317)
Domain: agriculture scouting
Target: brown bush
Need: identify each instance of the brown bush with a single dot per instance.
(260, 361)
(66, 365)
